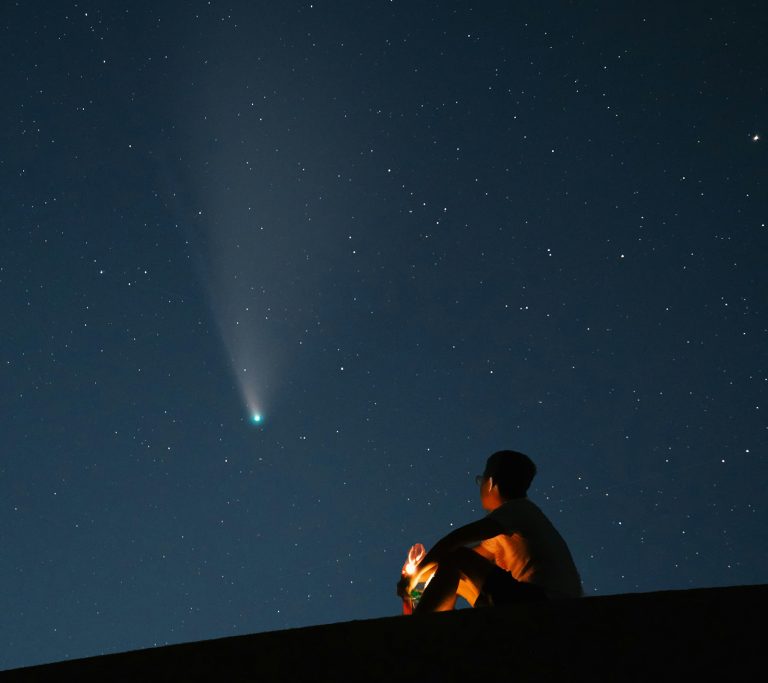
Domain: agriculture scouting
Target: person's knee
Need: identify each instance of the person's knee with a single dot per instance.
(469, 565)
(458, 559)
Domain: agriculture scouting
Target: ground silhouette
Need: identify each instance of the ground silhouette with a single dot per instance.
(671, 635)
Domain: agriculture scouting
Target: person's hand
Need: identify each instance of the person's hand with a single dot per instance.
(403, 586)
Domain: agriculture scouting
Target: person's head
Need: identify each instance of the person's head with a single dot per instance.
(507, 475)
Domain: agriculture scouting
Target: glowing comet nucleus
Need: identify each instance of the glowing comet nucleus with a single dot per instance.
(253, 405)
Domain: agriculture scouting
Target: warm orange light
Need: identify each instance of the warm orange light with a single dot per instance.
(415, 555)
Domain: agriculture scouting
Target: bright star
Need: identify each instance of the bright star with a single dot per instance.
(256, 418)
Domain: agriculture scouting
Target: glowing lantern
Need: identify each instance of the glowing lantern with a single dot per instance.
(415, 555)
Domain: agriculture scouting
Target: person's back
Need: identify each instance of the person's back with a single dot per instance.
(532, 550)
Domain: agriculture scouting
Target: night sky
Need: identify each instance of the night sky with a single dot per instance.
(407, 234)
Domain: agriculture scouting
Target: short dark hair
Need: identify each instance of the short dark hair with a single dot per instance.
(512, 472)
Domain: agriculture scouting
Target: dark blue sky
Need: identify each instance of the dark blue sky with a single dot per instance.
(413, 234)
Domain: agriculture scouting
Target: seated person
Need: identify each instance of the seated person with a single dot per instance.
(514, 554)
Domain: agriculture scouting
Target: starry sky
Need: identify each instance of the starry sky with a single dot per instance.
(407, 235)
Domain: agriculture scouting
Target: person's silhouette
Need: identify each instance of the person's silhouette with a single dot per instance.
(514, 554)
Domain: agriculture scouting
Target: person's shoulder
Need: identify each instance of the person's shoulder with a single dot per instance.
(516, 508)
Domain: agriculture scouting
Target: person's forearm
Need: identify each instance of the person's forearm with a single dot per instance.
(469, 534)
(466, 535)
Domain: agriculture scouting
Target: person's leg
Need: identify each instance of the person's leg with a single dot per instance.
(462, 563)
(501, 588)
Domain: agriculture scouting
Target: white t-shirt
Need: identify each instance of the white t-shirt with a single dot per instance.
(532, 550)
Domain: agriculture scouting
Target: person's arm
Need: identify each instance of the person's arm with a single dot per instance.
(484, 552)
(474, 532)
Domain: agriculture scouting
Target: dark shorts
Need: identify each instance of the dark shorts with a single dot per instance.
(501, 588)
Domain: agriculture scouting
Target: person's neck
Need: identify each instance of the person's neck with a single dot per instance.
(504, 501)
